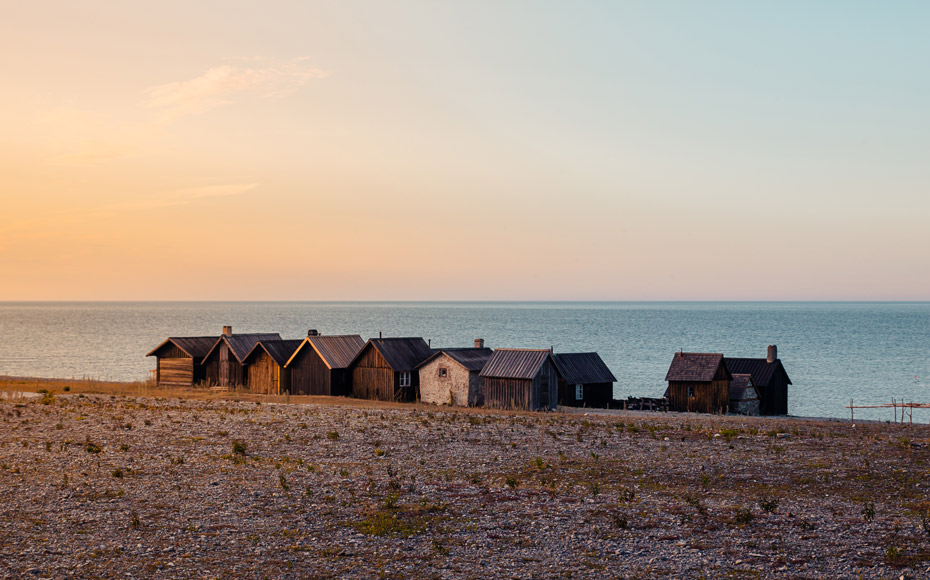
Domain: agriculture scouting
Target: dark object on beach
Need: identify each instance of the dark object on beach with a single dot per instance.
(319, 365)
(179, 360)
(385, 368)
(768, 377)
(520, 379)
(224, 361)
(584, 380)
(698, 382)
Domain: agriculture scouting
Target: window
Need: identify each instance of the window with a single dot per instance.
(579, 392)
(405, 379)
(443, 372)
(690, 391)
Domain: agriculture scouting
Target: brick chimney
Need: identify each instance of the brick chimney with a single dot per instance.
(772, 354)
(479, 343)
(227, 331)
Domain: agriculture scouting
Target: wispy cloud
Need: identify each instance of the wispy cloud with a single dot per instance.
(50, 225)
(178, 197)
(224, 84)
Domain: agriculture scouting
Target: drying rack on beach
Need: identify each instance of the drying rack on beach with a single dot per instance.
(907, 409)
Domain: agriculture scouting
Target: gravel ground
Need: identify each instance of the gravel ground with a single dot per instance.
(107, 486)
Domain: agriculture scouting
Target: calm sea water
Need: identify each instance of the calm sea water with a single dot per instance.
(833, 352)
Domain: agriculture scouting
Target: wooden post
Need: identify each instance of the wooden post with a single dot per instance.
(851, 411)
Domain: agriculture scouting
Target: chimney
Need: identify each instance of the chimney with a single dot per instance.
(227, 330)
(772, 354)
(379, 335)
(312, 332)
(479, 343)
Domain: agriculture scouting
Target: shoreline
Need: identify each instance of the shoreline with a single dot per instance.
(94, 386)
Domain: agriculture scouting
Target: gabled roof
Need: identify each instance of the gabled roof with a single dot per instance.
(242, 344)
(761, 370)
(196, 347)
(583, 368)
(279, 350)
(402, 354)
(515, 363)
(696, 367)
(741, 383)
(473, 359)
(335, 351)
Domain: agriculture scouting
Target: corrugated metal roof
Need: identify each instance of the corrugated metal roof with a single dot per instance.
(472, 359)
(279, 350)
(761, 370)
(403, 354)
(242, 344)
(739, 385)
(699, 367)
(196, 346)
(514, 363)
(337, 351)
(583, 368)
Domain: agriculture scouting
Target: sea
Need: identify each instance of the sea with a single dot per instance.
(834, 352)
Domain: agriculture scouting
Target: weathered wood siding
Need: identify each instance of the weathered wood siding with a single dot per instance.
(173, 367)
(373, 378)
(263, 374)
(593, 394)
(222, 368)
(309, 374)
(709, 397)
(541, 392)
(175, 371)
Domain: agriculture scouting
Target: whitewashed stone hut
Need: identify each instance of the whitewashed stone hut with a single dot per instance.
(744, 400)
(450, 376)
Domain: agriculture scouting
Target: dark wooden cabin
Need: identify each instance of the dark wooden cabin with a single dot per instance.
(264, 366)
(584, 380)
(319, 365)
(768, 377)
(179, 360)
(520, 379)
(223, 364)
(698, 382)
(385, 369)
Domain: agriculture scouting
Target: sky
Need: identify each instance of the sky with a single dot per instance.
(480, 150)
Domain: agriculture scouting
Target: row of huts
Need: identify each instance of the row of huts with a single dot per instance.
(387, 369)
(408, 369)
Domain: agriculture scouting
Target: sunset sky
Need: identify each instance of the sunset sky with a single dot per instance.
(464, 150)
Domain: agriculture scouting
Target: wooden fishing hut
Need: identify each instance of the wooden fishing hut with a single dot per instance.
(264, 366)
(450, 376)
(515, 378)
(698, 382)
(584, 380)
(319, 365)
(179, 360)
(223, 364)
(769, 379)
(385, 368)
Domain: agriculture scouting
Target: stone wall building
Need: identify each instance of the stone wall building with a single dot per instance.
(450, 376)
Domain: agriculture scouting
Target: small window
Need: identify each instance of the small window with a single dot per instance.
(405, 379)
(690, 391)
(443, 372)
(579, 392)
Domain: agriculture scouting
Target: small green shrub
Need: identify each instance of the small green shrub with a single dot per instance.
(238, 448)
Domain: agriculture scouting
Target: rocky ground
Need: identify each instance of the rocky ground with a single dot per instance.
(107, 486)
